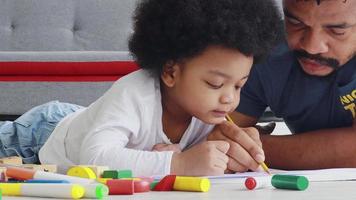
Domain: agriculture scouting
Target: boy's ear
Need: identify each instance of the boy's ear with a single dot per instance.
(170, 73)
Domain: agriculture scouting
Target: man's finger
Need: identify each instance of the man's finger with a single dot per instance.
(235, 166)
(242, 138)
(240, 155)
(254, 134)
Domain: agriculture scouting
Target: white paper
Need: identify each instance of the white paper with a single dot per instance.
(334, 174)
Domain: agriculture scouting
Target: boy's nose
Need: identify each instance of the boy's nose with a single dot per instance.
(227, 98)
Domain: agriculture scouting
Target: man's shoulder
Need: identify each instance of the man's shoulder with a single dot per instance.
(277, 66)
(280, 60)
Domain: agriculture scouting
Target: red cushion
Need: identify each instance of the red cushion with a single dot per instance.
(60, 78)
(65, 71)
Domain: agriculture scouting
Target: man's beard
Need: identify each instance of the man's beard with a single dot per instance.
(330, 62)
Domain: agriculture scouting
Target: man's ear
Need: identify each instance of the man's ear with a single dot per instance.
(170, 74)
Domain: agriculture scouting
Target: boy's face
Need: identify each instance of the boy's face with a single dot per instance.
(323, 36)
(208, 86)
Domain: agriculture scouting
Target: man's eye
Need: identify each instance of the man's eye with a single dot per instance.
(214, 86)
(336, 31)
(293, 21)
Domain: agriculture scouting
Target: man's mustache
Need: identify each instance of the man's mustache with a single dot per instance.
(330, 62)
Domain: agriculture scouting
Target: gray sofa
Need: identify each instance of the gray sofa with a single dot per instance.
(59, 31)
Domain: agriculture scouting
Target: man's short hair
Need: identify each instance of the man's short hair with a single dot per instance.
(319, 1)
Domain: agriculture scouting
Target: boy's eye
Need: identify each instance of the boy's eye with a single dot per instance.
(214, 86)
(237, 87)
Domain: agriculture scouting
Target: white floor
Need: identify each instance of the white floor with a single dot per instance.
(281, 129)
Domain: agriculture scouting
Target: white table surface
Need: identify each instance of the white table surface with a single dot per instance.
(221, 191)
(338, 190)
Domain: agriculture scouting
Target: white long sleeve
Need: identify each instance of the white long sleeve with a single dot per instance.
(104, 150)
(119, 130)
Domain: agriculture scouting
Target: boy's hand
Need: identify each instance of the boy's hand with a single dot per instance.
(207, 158)
(167, 147)
(245, 146)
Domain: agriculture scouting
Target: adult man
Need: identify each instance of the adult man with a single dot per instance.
(312, 87)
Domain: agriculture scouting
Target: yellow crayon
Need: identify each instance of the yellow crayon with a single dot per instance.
(82, 172)
(98, 170)
(53, 190)
(194, 184)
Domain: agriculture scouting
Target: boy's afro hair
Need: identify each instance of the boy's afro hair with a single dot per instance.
(174, 30)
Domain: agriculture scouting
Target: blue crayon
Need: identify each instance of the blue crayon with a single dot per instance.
(45, 181)
(12, 180)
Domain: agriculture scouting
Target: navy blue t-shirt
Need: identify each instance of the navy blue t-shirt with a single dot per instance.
(305, 102)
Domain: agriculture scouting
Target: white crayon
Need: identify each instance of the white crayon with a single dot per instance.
(61, 190)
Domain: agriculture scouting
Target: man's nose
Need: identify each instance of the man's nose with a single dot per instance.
(314, 43)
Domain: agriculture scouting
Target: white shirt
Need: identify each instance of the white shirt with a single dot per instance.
(119, 130)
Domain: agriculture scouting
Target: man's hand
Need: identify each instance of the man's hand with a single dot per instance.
(207, 158)
(245, 146)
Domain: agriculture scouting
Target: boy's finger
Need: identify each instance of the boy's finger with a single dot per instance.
(222, 146)
(158, 146)
(222, 161)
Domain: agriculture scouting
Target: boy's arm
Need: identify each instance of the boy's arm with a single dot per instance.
(108, 148)
(167, 147)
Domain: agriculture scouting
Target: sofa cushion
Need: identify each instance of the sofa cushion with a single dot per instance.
(65, 71)
(65, 25)
(85, 77)
(38, 36)
(65, 66)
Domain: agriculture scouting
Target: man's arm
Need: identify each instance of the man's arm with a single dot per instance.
(327, 148)
(245, 121)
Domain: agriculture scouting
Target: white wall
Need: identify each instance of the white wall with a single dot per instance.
(279, 3)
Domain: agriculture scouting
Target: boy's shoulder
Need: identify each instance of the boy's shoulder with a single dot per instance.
(137, 79)
(139, 84)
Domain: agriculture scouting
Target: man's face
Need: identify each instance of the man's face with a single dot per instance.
(322, 36)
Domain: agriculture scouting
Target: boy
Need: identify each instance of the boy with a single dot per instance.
(195, 56)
